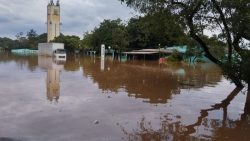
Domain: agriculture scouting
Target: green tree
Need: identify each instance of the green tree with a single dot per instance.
(119, 38)
(87, 41)
(31, 34)
(32, 38)
(8, 43)
(19, 35)
(217, 47)
(136, 34)
(21, 39)
(42, 38)
(228, 17)
(71, 43)
(103, 34)
(156, 28)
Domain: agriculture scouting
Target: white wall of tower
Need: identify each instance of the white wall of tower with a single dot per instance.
(53, 21)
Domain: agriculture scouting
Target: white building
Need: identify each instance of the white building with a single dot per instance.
(53, 30)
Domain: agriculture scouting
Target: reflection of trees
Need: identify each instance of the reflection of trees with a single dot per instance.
(196, 76)
(236, 130)
(137, 82)
(29, 61)
(222, 130)
(204, 113)
(72, 63)
(147, 80)
(145, 132)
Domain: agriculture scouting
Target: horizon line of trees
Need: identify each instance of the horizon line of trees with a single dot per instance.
(29, 40)
(153, 30)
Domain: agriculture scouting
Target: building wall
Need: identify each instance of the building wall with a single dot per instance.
(47, 49)
(53, 22)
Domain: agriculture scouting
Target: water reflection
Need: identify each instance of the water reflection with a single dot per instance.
(172, 129)
(134, 77)
(148, 80)
(102, 63)
(22, 61)
(131, 101)
(53, 68)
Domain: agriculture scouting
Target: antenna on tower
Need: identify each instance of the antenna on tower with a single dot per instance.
(51, 2)
(58, 3)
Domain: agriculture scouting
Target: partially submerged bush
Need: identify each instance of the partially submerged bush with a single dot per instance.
(175, 56)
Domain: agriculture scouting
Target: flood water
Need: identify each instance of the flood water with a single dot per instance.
(86, 99)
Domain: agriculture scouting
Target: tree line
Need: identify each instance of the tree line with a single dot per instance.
(229, 18)
(29, 40)
(152, 30)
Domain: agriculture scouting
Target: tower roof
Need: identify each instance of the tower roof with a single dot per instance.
(51, 2)
(58, 3)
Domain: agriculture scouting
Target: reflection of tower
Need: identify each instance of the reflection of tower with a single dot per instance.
(53, 20)
(53, 86)
(53, 76)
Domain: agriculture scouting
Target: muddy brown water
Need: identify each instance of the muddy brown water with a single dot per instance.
(86, 100)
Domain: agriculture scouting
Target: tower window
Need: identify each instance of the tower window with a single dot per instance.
(56, 12)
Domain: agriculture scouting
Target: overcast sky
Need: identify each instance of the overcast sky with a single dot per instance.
(77, 16)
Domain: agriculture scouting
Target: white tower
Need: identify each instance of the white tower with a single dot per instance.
(53, 30)
(53, 20)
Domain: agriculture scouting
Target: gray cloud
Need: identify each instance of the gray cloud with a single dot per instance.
(78, 16)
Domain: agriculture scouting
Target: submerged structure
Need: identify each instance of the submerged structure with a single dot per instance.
(24, 51)
(53, 31)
